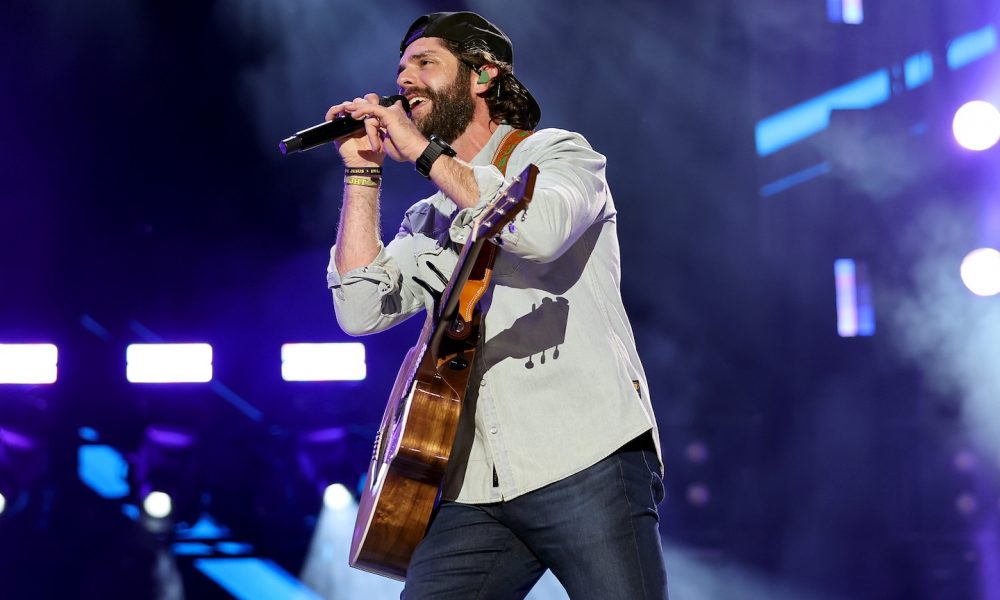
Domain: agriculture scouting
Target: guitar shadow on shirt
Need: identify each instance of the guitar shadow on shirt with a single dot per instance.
(530, 337)
(536, 337)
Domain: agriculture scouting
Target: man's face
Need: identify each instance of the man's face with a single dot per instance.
(440, 94)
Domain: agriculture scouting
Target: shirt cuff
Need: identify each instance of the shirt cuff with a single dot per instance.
(382, 271)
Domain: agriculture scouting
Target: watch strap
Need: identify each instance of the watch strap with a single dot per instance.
(435, 148)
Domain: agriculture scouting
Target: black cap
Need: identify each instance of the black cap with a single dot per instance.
(462, 26)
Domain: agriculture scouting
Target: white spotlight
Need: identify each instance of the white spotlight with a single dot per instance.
(981, 271)
(158, 505)
(977, 125)
(3, 504)
(28, 363)
(337, 497)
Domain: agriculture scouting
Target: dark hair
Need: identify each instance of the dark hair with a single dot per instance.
(507, 100)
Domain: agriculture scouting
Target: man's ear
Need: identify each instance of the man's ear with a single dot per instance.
(486, 73)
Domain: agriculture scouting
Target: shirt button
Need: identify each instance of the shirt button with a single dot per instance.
(493, 430)
(482, 383)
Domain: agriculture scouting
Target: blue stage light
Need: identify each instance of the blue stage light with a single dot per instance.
(972, 46)
(791, 125)
(168, 363)
(323, 362)
(103, 469)
(918, 70)
(253, 578)
(28, 363)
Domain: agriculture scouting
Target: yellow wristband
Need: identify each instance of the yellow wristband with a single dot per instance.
(362, 181)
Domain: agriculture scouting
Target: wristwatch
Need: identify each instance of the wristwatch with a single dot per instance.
(434, 149)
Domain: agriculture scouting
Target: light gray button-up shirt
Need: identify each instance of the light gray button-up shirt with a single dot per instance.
(557, 384)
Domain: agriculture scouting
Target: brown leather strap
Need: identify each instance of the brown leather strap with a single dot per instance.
(506, 148)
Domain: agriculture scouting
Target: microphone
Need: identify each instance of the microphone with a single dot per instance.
(338, 127)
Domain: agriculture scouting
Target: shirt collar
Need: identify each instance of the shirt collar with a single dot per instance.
(485, 155)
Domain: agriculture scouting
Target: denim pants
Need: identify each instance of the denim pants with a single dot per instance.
(596, 530)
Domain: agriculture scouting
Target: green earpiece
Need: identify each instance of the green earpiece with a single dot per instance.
(484, 77)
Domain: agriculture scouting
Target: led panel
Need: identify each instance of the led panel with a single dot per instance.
(28, 363)
(168, 363)
(323, 362)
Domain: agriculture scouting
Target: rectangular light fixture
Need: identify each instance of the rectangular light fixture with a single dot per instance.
(168, 363)
(28, 363)
(851, 12)
(855, 312)
(323, 362)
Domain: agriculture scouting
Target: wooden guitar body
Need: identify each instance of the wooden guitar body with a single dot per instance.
(418, 428)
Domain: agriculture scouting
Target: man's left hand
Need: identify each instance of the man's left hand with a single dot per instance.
(389, 129)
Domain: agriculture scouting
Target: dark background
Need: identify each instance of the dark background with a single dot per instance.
(142, 196)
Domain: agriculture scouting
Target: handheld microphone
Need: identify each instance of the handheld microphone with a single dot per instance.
(339, 127)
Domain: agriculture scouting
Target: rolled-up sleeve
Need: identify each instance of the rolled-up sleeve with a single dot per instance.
(570, 195)
(374, 297)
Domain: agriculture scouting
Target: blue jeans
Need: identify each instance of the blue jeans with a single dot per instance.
(596, 530)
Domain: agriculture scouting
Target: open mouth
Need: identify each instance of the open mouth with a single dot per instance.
(416, 102)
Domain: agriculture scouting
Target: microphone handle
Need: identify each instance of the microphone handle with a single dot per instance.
(334, 129)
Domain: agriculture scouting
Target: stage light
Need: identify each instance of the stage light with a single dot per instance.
(323, 362)
(337, 497)
(967, 504)
(964, 461)
(3, 504)
(28, 363)
(698, 494)
(977, 125)
(851, 12)
(855, 311)
(158, 505)
(103, 469)
(696, 452)
(981, 271)
(168, 363)
(166, 465)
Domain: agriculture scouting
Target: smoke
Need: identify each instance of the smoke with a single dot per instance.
(951, 334)
(307, 55)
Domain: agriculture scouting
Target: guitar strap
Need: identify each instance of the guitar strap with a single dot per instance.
(506, 148)
(482, 270)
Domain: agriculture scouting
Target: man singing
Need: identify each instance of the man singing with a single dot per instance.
(556, 461)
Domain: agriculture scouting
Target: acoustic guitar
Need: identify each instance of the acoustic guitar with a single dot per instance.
(418, 429)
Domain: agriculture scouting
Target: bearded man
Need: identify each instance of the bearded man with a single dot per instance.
(556, 460)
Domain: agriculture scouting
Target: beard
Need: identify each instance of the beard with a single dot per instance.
(451, 110)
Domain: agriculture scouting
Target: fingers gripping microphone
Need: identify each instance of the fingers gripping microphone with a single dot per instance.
(339, 127)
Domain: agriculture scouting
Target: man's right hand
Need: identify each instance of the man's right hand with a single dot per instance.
(357, 150)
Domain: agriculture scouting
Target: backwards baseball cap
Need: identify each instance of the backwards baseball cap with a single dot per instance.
(460, 27)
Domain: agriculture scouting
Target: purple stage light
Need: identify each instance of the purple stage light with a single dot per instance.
(323, 362)
(855, 311)
(168, 363)
(170, 438)
(851, 12)
(698, 494)
(981, 271)
(977, 125)
(28, 363)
